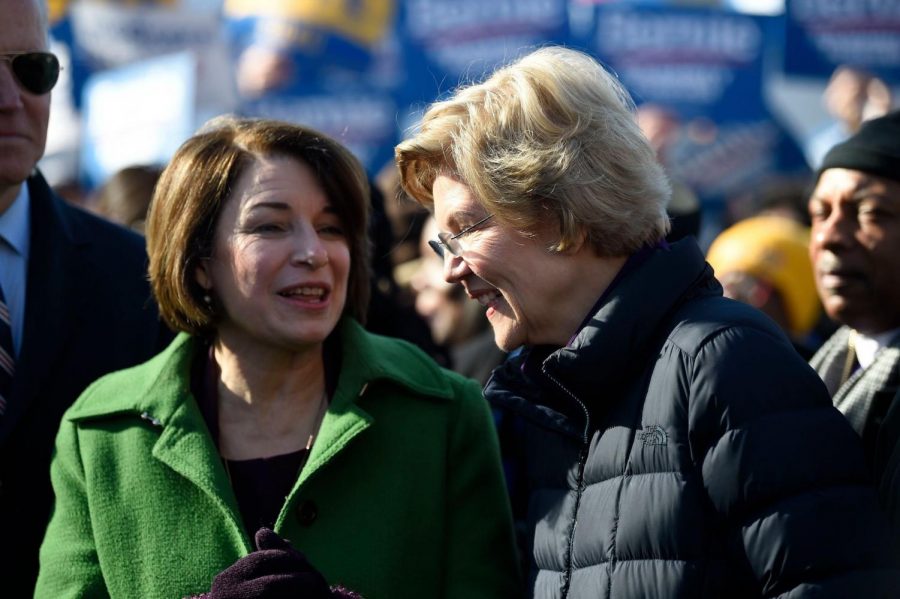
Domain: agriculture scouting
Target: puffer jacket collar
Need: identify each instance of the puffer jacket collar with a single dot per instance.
(617, 338)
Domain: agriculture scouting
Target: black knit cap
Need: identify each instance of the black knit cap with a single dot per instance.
(874, 149)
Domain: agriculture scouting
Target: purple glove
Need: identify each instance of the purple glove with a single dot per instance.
(276, 570)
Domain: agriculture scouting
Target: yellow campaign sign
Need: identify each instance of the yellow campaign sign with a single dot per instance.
(59, 8)
(365, 21)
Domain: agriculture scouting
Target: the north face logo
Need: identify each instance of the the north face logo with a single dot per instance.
(654, 435)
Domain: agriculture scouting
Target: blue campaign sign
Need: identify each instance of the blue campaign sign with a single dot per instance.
(364, 120)
(449, 42)
(699, 62)
(127, 121)
(705, 69)
(105, 35)
(823, 34)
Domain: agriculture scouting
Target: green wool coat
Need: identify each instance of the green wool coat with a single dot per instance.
(402, 495)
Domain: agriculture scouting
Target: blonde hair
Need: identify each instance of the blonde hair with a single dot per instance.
(196, 184)
(551, 136)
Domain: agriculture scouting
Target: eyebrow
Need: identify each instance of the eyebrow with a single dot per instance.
(269, 205)
(466, 216)
(284, 207)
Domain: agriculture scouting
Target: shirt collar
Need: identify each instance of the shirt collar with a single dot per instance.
(14, 222)
(867, 346)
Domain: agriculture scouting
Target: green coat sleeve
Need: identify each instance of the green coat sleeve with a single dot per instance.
(69, 566)
(481, 553)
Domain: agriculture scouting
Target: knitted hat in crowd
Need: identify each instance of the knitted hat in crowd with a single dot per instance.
(874, 149)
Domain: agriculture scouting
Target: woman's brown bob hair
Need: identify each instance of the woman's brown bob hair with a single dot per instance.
(199, 180)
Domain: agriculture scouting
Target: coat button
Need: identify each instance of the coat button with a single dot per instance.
(307, 512)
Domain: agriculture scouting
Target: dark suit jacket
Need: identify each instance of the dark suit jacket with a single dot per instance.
(88, 311)
(887, 466)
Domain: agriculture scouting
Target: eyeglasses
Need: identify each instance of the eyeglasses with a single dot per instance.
(36, 72)
(451, 242)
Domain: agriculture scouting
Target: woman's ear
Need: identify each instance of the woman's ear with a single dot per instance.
(579, 242)
(202, 275)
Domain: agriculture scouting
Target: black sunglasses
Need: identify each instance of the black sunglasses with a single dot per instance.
(36, 72)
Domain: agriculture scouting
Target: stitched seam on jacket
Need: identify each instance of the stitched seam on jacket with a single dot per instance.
(582, 460)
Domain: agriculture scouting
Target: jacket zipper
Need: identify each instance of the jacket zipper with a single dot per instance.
(582, 460)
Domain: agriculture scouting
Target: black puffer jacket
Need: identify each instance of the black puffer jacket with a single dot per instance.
(679, 447)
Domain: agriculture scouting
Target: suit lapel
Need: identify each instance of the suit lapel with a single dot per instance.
(855, 398)
(52, 297)
(829, 361)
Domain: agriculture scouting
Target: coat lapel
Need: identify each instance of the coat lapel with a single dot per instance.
(186, 447)
(159, 392)
(185, 444)
(366, 360)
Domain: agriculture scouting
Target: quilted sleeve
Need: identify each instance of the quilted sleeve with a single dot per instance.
(785, 472)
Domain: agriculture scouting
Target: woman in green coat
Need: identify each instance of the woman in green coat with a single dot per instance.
(274, 409)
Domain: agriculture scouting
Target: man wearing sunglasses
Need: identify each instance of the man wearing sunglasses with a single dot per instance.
(74, 302)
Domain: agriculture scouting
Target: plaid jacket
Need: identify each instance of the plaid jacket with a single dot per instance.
(866, 396)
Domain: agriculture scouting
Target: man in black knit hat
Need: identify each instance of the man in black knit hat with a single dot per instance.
(855, 250)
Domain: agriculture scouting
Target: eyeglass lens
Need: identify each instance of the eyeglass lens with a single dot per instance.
(451, 242)
(37, 72)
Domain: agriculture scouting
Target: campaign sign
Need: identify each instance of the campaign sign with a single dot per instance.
(137, 114)
(108, 35)
(450, 42)
(302, 41)
(700, 62)
(823, 34)
(365, 121)
(705, 68)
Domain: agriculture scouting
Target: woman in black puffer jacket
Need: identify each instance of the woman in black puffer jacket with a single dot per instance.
(660, 440)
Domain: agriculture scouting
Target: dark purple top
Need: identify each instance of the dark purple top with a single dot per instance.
(261, 484)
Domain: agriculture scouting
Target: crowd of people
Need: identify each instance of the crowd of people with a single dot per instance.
(226, 384)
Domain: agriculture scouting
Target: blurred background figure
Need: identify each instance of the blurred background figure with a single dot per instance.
(785, 198)
(662, 126)
(764, 262)
(125, 197)
(391, 311)
(851, 97)
(456, 323)
(407, 217)
(260, 69)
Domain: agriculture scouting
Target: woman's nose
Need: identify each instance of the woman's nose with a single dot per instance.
(308, 249)
(455, 268)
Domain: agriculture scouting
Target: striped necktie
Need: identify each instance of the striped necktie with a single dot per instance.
(7, 362)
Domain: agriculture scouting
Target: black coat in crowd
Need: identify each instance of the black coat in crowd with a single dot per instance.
(678, 446)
